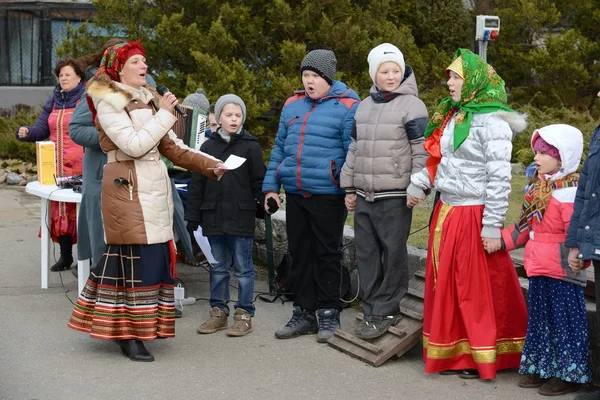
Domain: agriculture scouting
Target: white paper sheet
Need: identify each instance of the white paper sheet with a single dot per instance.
(234, 162)
(204, 245)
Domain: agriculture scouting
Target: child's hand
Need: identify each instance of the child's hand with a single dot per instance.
(350, 201)
(576, 270)
(412, 201)
(491, 245)
(575, 263)
(274, 196)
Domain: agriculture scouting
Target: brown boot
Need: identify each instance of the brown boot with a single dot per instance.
(531, 381)
(216, 322)
(242, 323)
(558, 387)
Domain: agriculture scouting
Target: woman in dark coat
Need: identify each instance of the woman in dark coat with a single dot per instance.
(83, 132)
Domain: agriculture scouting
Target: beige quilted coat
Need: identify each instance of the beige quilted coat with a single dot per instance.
(137, 205)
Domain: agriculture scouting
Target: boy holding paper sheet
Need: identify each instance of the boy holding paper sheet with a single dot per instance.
(225, 209)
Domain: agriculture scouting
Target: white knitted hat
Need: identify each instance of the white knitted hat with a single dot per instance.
(383, 53)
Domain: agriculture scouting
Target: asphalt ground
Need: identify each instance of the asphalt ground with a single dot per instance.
(41, 358)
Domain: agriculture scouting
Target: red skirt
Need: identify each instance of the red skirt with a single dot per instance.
(475, 315)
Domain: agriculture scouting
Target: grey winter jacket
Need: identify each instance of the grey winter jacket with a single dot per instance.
(90, 232)
(479, 172)
(387, 142)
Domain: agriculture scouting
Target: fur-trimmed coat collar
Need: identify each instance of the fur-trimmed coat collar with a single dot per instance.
(118, 95)
(516, 121)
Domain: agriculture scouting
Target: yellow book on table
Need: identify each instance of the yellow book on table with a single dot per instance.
(46, 162)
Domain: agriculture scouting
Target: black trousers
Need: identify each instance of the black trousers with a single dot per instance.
(315, 227)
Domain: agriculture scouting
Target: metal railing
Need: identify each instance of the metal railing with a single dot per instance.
(27, 43)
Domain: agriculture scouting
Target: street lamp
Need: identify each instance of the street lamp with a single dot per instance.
(487, 28)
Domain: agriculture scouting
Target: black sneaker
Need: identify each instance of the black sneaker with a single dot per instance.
(329, 321)
(303, 322)
(178, 313)
(374, 326)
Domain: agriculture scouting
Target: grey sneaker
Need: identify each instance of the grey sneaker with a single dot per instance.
(374, 326)
(302, 323)
(329, 321)
(216, 322)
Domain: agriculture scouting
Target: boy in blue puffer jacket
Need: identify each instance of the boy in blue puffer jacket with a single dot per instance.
(307, 158)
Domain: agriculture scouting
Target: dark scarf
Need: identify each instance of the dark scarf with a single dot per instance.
(384, 97)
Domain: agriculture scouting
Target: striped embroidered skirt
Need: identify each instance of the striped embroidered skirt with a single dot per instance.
(128, 295)
(557, 344)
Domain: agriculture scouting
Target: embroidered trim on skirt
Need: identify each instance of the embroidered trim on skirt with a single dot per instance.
(128, 295)
(557, 343)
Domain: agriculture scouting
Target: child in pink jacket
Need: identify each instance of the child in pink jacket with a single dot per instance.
(556, 353)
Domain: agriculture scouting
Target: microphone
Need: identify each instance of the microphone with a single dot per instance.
(162, 90)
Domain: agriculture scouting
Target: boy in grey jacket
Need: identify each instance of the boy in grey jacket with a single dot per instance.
(386, 148)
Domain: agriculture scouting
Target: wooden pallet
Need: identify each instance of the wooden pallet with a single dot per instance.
(397, 340)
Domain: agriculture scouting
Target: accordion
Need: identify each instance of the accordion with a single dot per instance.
(191, 127)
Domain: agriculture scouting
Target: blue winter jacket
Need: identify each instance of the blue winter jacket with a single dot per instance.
(584, 230)
(312, 142)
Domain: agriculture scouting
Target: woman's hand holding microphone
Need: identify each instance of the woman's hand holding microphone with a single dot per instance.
(168, 101)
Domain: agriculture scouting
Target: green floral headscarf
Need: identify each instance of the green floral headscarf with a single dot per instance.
(482, 92)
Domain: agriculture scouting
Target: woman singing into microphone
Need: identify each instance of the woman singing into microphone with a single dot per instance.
(128, 297)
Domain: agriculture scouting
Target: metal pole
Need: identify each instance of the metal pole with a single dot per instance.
(270, 255)
(47, 78)
(482, 49)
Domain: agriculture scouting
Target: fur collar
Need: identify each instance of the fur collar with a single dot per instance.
(516, 121)
(102, 88)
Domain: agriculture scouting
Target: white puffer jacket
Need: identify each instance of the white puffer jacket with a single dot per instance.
(479, 171)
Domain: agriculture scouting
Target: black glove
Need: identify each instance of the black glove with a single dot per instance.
(272, 206)
(192, 226)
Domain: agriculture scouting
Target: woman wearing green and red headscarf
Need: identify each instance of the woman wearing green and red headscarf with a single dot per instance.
(475, 318)
(129, 297)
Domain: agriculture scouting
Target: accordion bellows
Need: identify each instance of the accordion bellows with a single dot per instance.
(190, 128)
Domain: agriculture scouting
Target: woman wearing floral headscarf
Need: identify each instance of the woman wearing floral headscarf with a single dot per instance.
(475, 317)
(128, 297)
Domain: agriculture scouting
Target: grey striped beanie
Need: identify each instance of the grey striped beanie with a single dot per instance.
(322, 62)
(197, 100)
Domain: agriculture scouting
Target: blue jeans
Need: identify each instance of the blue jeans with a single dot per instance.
(237, 251)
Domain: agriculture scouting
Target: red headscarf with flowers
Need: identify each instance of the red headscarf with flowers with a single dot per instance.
(112, 63)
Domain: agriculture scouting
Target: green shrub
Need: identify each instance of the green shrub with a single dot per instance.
(10, 147)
